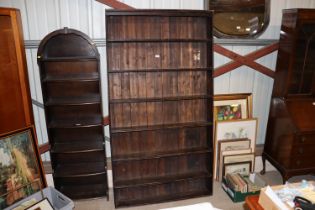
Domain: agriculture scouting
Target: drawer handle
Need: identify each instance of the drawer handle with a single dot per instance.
(301, 151)
(303, 139)
(298, 162)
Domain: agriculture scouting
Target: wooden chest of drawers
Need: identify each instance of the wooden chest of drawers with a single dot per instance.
(290, 141)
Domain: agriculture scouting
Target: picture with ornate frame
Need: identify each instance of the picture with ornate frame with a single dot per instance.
(21, 169)
(41, 205)
(243, 168)
(233, 129)
(232, 106)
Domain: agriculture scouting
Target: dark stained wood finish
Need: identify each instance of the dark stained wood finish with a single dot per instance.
(160, 102)
(69, 69)
(16, 107)
(290, 140)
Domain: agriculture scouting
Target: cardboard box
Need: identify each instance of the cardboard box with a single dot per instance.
(237, 196)
(267, 203)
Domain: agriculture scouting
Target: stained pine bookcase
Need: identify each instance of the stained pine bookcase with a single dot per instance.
(160, 101)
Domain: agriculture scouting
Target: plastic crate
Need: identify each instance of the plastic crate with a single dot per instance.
(56, 198)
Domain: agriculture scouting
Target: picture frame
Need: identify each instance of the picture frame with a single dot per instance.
(232, 106)
(243, 168)
(227, 153)
(41, 205)
(20, 165)
(234, 144)
(240, 158)
(234, 129)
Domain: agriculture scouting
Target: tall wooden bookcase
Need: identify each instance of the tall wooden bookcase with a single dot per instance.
(160, 101)
(70, 77)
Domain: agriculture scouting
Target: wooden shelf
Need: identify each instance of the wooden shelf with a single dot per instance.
(84, 191)
(158, 40)
(70, 58)
(160, 101)
(143, 156)
(79, 169)
(73, 78)
(79, 100)
(178, 98)
(158, 199)
(160, 70)
(70, 78)
(160, 127)
(160, 180)
(78, 147)
(88, 122)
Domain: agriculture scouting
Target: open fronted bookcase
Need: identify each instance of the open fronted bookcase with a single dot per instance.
(160, 102)
(70, 77)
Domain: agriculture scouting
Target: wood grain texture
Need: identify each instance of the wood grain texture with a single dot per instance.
(290, 132)
(70, 77)
(16, 112)
(161, 135)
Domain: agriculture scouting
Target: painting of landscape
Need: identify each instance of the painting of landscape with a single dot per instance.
(19, 171)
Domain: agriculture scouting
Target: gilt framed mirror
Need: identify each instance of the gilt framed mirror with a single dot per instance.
(239, 18)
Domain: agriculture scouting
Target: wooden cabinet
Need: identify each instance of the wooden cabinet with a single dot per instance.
(16, 104)
(69, 69)
(290, 140)
(160, 102)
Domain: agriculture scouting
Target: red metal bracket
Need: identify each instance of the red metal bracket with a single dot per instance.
(248, 60)
(115, 4)
(44, 148)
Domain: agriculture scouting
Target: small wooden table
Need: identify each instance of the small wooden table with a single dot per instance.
(252, 202)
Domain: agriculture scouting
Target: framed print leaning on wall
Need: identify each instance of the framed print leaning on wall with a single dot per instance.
(234, 129)
(232, 106)
(243, 168)
(21, 170)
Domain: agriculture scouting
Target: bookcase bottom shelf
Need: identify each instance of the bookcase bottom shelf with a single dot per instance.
(84, 191)
(156, 193)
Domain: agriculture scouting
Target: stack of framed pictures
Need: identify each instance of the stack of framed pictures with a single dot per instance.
(235, 134)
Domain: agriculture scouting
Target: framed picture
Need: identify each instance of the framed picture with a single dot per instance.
(240, 158)
(41, 205)
(234, 129)
(21, 170)
(243, 168)
(234, 144)
(232, 106)
(227, 153)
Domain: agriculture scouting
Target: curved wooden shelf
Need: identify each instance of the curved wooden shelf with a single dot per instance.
(84, 191)
(79, 169)
(78, 147)
(80, 100)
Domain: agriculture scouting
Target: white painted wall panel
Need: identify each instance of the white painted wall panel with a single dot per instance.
(39, 17)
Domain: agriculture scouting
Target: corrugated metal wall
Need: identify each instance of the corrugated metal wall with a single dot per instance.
(39, 17)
